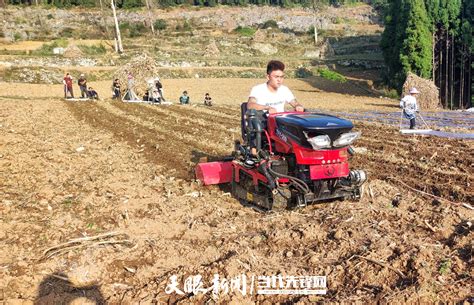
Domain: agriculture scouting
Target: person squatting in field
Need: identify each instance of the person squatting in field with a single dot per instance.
(184, 99)
(91, 93)
(207, 100)
(410, 106)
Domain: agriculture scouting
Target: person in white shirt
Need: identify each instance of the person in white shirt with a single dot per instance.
(410, 106)
(273, 95)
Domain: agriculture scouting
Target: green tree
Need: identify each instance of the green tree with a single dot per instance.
(391, 43)
(132, 3)
(416, 51)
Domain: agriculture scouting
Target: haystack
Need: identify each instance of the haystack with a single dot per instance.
(143, 67)
(428, 99)
(326, 50)
(212, 50)
(72, 51)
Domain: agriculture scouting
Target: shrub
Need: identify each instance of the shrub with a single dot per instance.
(303, 72)
(270, 24)
(160, 24)
(391, 93)
(67, 32)
(92, 50)
(332, 75)
(132, 29)
(137, 29)
(245, 31)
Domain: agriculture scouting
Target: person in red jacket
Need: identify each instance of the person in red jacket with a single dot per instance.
(67, 81)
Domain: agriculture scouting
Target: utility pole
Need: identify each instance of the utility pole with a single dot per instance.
(315, 31)
(317, 5)
(119, 48)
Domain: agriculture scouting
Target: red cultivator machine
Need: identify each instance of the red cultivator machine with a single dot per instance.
(302, 157)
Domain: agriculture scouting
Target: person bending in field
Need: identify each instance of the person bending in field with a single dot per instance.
(91, 93)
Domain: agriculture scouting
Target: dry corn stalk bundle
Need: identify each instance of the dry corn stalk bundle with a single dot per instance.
(73, 51)
(212, 50)
(143, 67)
(428, 99)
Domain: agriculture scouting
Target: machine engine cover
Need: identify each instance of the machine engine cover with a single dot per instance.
(314, 124)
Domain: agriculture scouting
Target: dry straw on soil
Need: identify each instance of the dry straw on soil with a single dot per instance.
(142, 67)
(428, 99)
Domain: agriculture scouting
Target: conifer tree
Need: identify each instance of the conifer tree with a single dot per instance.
(392, 38)
(416, 50)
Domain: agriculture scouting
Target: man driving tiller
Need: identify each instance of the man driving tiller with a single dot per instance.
(286, 159)
(272, 95)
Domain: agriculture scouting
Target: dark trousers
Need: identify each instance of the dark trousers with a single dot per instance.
(116, 93)
(83, 91)
(412, 123)
(256, 127)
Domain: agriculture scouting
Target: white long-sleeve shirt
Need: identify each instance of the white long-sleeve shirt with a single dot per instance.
(409, 104)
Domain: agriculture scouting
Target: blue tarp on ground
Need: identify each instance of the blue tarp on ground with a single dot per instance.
(453, 119)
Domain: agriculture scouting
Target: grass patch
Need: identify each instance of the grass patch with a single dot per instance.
(332, 75)
(47, 48)
(69, 202)
(93, 50)
(245, 31)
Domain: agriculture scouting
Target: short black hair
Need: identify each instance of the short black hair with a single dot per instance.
(275, 65)
(185, 91)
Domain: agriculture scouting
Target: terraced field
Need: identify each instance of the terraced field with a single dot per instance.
(119, 176)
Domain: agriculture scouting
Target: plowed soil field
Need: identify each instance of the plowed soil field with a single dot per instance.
(99, 205)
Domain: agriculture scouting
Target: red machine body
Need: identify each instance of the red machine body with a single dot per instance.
(289, 171)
